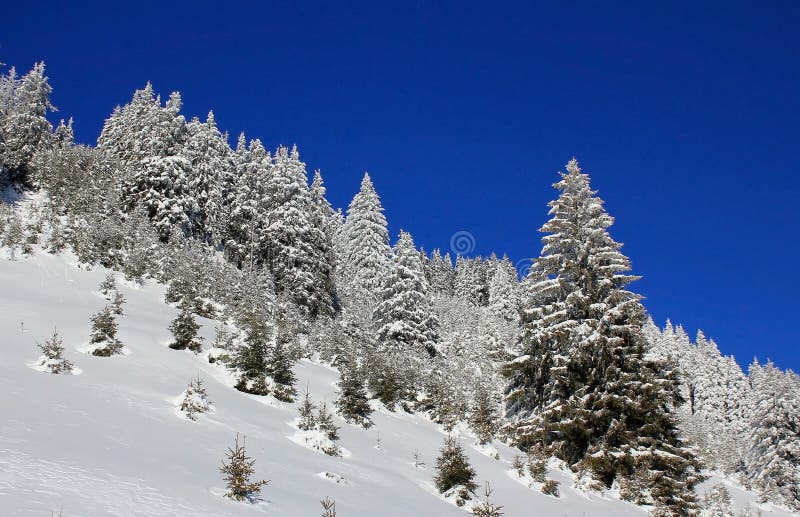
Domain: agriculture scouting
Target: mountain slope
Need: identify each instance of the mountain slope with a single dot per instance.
(110, 440)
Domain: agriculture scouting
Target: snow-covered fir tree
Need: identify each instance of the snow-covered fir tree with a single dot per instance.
(405, 320)
(184, 331)
(24, 128)
(297, 250)
(365, 259)
(353, 401)
(104, 334)
(772, 461)
(195, 399)
(211, 178)
(580, 385)
(504, 291)
(53, 355)
(454, 473)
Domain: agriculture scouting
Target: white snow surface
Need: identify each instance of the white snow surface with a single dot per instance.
(110, 441)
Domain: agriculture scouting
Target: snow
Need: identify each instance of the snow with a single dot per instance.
(107, 442)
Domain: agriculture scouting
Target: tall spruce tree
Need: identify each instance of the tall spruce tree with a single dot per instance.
(772, 462)
(24, 128)
(297, 250)
(581, 386)
(366, 252)
(405, 320)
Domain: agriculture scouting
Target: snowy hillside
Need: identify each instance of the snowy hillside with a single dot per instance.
(110, 440)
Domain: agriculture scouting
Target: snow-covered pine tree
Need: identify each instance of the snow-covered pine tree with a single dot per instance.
(366, 250)
(772, 462)
(504, 291)
(24, 128)
(249, 203)
(581, 386)
(280, 367)
(210, 182)
(104, 334)
(195, 399)
(453, 471)
(117, 302)
(184, 331)
(353, 402)
(440, 273)
(717, 502)
(325, 422)
(252, 357)
(237, 472)
(108, 286)
(484, 419)
(297, 250)
(53, 352)
(307, 420)
(405, 320)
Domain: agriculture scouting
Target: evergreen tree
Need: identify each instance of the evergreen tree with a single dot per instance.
(24, 128)
(237, 472)
(365, 259)
(104, 334)
(405, 320)
(184, 331)
(53, 351)
(487, 508)
(353, 402)
(717, 502)
(249, 203)
(210, 182)
(453, 471)
(195, 399)
(484, 419)
(772, 463)
(117, 302)
(108, 286)
(280, 369)
(325, 422)
(252, 356)
(581, 386)
(503, 291)
(297, 250)
(308, 420)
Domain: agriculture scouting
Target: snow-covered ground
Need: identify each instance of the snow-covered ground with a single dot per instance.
(110, 441)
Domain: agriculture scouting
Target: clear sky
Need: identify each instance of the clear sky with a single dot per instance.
(685, 114)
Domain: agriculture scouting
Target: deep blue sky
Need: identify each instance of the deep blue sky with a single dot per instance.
(685, 114)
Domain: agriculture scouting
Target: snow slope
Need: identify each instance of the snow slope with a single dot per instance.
(110, 440)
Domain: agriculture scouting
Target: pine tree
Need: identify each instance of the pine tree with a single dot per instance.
(453, 471)
(104, 334)
(503, 291)
(184, 331)
(406, 323)
(325, 422)
(772, 462)
(581, 386)
(108, 286)
(210, 182)
(353, 402)
(249, 204)
(195, 399)
(296, 248)
(484, 419)
(328, 507)
(365, 259)
(117, 302)
(308, 420)
(487, 508)
(24, 128)
(280, 369)
(237, 472)
(252, 357)
(53, 351)
(717, 502)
